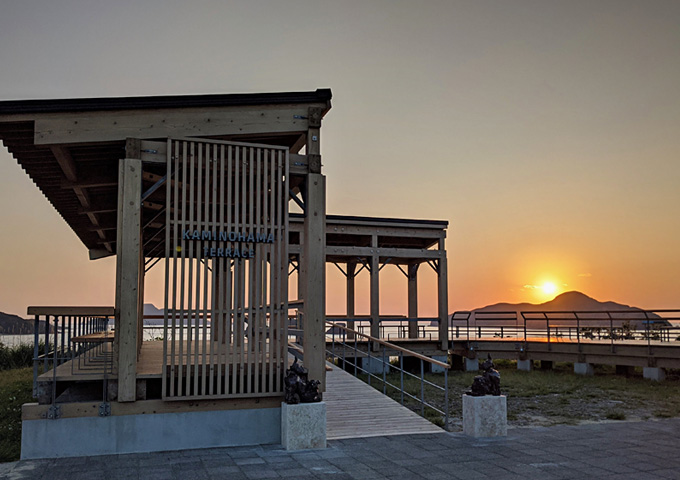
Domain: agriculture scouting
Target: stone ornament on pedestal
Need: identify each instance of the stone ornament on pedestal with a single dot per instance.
(303, 426)
(485, 416)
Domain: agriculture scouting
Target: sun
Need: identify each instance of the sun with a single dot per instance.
(549, 288)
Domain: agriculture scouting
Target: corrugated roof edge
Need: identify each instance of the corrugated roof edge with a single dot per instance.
(166, 101)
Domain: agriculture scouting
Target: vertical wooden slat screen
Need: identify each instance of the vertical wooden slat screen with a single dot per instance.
(226, 293)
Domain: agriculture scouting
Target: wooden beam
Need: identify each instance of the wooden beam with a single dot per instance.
(128, 281)
(413, 299)
(66, 162)
(68, 166)
(160, 123)
(375, 290)
(365, 252)
(351, 297)
(443, 303)
(91, 182)
(315, 279)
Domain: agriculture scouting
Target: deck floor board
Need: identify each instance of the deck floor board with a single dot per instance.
(355, 409)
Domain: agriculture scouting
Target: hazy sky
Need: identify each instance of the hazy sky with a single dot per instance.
(545, 132)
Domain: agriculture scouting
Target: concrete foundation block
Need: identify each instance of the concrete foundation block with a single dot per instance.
(485, 416)
(158, 432)
(525, 365)
(303, 426)
(436, 368)
(583, 368)
(471, 364)
(373, 365)
(654, 373)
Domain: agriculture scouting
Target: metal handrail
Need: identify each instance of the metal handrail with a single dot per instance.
(612, 325)
(352, 336)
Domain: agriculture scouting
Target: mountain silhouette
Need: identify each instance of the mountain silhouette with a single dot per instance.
(565, 302)
(568, 301)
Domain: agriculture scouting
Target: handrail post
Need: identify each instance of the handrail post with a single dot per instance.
(422, 388)
(446, 399)
(47, 341)
(611, 331)
(401, 371)
(356, 356)
(384, 369)
(578, 331)
(36, 353)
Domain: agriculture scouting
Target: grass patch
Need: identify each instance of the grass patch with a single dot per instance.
(615, 415)
(16, 388)
(550, 397)
(18, 356)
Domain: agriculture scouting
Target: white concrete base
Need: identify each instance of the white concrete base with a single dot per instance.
(485, 416)
(373, 365)
(471, 364)
(303, 426)
(86, 436)
(654, 373)
(436, 368)
(583, 368)
(525, 365)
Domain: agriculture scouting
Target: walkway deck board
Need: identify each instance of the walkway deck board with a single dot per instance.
(355, 409)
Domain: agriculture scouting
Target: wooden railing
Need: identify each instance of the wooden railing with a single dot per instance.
(61, 326)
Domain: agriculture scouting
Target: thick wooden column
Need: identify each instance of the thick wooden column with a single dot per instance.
(413, 299)
(314, 257)
(351, 303)
(129, 268)
(375, 290)
(443, 298)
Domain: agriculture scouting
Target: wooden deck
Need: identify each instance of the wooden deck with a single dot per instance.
(355, 409)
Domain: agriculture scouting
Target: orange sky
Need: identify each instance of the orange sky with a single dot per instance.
(546, 133)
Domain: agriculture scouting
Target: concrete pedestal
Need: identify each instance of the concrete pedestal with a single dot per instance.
(436, 368)
(373, 365)
(471, 364)
(485, 416)
(583, 369)
(303, 426)
(654, 373)
(525, 365)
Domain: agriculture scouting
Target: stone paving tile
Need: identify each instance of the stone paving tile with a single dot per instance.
(614, 451)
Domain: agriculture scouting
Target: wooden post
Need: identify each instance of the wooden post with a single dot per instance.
(413, 299)
(351, 312)
(128, 276)
(375, 290)
(314, 342)
(443, 299)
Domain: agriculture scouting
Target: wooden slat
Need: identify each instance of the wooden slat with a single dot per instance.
(243, 297)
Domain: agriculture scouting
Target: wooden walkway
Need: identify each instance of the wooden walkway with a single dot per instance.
(355, 409)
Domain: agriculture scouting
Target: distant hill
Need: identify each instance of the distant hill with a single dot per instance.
(15, 325)
(151, 309)
(568, 302)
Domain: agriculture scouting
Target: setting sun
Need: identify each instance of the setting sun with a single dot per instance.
(549, 288)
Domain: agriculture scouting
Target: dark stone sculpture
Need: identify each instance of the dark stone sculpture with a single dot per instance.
(489, 383)
(298, 388)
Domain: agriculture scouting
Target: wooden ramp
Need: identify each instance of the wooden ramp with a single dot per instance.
(355, 409)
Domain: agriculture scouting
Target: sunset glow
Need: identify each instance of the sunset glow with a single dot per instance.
(549, 288)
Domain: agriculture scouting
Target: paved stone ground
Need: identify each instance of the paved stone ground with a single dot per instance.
(625, 450)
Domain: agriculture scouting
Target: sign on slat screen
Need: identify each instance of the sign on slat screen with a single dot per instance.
(226, 270)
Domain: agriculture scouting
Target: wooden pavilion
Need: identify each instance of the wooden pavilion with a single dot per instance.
(203, 185)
